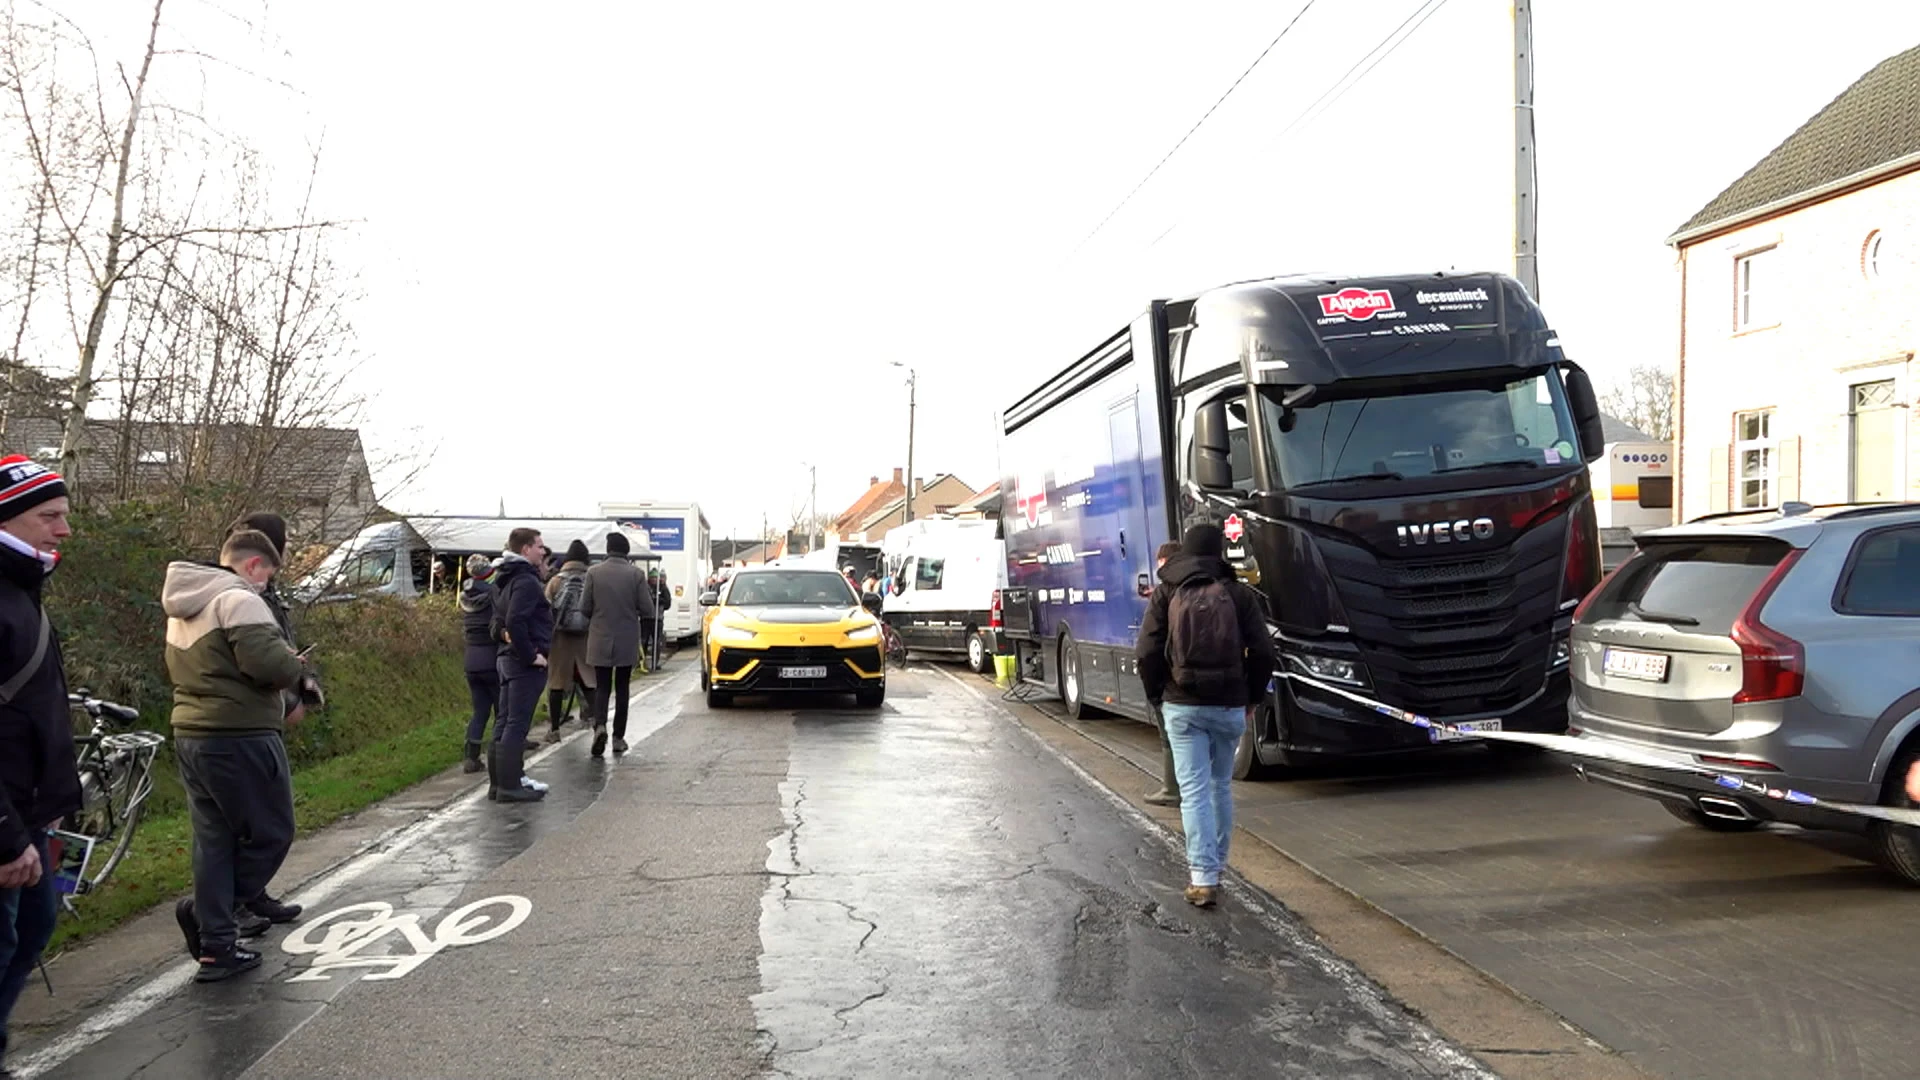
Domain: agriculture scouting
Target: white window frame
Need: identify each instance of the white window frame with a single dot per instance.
(1746, 299)
(1763, 444)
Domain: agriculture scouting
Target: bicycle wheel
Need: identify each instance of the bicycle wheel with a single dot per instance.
(113, 794)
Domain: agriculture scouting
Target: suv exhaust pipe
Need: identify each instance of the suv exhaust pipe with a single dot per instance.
(1725, 809)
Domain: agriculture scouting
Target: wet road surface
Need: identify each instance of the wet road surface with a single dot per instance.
(1775, 955)
(789, 887)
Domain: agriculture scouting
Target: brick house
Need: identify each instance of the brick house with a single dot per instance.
(1800, 313)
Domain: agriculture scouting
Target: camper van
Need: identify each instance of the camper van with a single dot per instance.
(945, 574)
(398, 558)
(679, 535)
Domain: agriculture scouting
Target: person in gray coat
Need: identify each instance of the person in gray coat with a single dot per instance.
(618, 601)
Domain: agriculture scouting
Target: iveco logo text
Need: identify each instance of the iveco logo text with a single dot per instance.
(1445, 532)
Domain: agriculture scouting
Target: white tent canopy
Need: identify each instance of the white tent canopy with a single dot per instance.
(488, 536)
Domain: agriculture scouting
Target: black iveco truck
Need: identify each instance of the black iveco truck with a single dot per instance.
(1400, 465)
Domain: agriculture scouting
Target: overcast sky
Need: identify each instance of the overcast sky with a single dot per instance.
(620, 251)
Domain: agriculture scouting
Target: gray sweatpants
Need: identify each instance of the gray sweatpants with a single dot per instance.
(240, 797)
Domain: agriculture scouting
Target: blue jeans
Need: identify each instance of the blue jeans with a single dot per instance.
(26, 925)
(1204, 739)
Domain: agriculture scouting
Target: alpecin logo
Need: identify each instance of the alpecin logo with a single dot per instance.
(1356, 303)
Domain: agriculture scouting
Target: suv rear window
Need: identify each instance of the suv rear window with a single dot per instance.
(1709, 580)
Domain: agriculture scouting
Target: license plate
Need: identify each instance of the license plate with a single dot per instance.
(1634, 664)
(803, 673)
(1467, 728)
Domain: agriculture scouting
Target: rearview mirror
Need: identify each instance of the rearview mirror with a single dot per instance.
(1212, 451)
(1586, 412)
(709, 599)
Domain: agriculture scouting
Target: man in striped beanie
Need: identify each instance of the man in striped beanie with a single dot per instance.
(39, 783)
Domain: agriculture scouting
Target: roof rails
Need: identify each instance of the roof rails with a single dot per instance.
(1800, 509)
(1864, 509)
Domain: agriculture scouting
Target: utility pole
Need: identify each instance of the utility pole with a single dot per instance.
(764, 538)
(1526, 221)
(813, 507)
(913, 387)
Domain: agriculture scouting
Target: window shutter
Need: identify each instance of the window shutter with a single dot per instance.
(1787, 473)
(1719, 474)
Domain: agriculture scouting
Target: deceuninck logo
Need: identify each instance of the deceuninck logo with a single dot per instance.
(1356, 303)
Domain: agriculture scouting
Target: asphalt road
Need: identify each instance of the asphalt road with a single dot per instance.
(1775, 955)
(793, 888)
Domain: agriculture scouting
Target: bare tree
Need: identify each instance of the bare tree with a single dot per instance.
(1643, 399)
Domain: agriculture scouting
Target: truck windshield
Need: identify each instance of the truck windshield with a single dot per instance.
(1424, 432)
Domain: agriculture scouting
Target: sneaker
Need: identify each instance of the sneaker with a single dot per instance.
(247, 924)
(619, 746)
(1201, 895)
(1163, 797)
(531, 784)
(599, 741)
(273, 910)
(189, 925)
(225, 963)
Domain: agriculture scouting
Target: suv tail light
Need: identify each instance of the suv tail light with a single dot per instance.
(1772, 665)
(1582, 563)
(993, 613)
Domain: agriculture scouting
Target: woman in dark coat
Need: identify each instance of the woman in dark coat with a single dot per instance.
(483, 670)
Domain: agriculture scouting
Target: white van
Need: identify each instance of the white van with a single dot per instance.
(679, 535)
(422, 554)
(945, 573)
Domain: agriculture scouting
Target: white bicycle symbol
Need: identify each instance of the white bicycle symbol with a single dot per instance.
(349, 930)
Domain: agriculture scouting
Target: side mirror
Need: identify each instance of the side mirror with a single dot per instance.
(1586, 412)
(709, 599)
(1212, 450)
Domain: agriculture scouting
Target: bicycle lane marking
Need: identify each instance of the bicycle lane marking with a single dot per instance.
(268, 985)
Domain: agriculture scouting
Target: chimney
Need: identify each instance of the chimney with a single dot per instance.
(873, 481)
(896, 475)
(919, 487)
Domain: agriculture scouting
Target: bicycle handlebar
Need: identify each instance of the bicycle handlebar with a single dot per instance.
(96, 707)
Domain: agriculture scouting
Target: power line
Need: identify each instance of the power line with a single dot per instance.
(1196, 126)
(1395, 37)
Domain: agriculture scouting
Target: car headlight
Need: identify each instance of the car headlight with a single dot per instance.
(724, 632)
(869, 632)
(1332, 669)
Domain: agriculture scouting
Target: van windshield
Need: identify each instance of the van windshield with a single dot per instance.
(1518, 423)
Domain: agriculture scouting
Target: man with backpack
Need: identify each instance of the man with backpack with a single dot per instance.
(1205, 661)
(567, 592)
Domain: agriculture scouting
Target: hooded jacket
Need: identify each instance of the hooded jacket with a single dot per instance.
(225, 655)
(1156, 672)
(39, 783)
(476, 624)
(525, 613)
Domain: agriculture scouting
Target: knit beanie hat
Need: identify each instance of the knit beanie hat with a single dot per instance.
(577, 552)
(273, 525)
(479, 566)
(1203, 540)
(617, 544)
(25, 484)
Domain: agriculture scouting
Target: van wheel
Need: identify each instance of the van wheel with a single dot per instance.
(1898, 845)
(1073, 683)
(978, 661)
(1691, 815)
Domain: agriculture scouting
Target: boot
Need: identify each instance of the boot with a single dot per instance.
(509, 769)
(472, 763)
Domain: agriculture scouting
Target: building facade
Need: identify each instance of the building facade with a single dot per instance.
(1800, 314)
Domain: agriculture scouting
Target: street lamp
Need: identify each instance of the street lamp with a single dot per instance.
(813, 505)
(913, 380)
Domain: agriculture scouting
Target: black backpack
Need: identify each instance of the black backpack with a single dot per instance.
(1203, 640)
(569, 609)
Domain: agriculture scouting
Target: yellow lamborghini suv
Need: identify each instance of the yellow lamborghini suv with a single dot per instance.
(785, 629)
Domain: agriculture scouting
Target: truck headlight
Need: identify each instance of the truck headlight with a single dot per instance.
(869, 632)
(723, 632)
(1327, 668)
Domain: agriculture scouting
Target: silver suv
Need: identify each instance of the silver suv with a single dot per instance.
(1783, 646)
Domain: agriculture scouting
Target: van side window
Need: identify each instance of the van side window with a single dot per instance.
(928, 573)
(1884, 578)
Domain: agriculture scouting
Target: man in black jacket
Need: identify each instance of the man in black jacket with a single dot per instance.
(39, 784)
(525, 620)
(1205, 661)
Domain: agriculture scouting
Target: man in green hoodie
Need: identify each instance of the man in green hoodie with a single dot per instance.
(230, 667)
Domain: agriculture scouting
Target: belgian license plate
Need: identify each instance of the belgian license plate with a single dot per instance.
(1634, 664)
(803, 673)
(1467, 728)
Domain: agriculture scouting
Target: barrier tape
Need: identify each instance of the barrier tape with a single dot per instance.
(1619, 754)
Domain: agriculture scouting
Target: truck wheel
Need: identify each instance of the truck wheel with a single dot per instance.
(1073, 686)
(978, 660)
(1898, 845)
(1246, 759)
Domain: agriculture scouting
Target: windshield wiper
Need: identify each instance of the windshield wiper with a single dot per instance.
(1661, 616)
(1350, 479)
(1508, 464)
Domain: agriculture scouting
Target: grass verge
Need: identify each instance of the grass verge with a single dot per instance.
(159, 868)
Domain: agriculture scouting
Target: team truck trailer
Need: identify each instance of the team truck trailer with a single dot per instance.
(1399, 465)
(679, 535)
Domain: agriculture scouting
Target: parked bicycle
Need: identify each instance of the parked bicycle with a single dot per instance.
(116, 777)
(896, 648)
